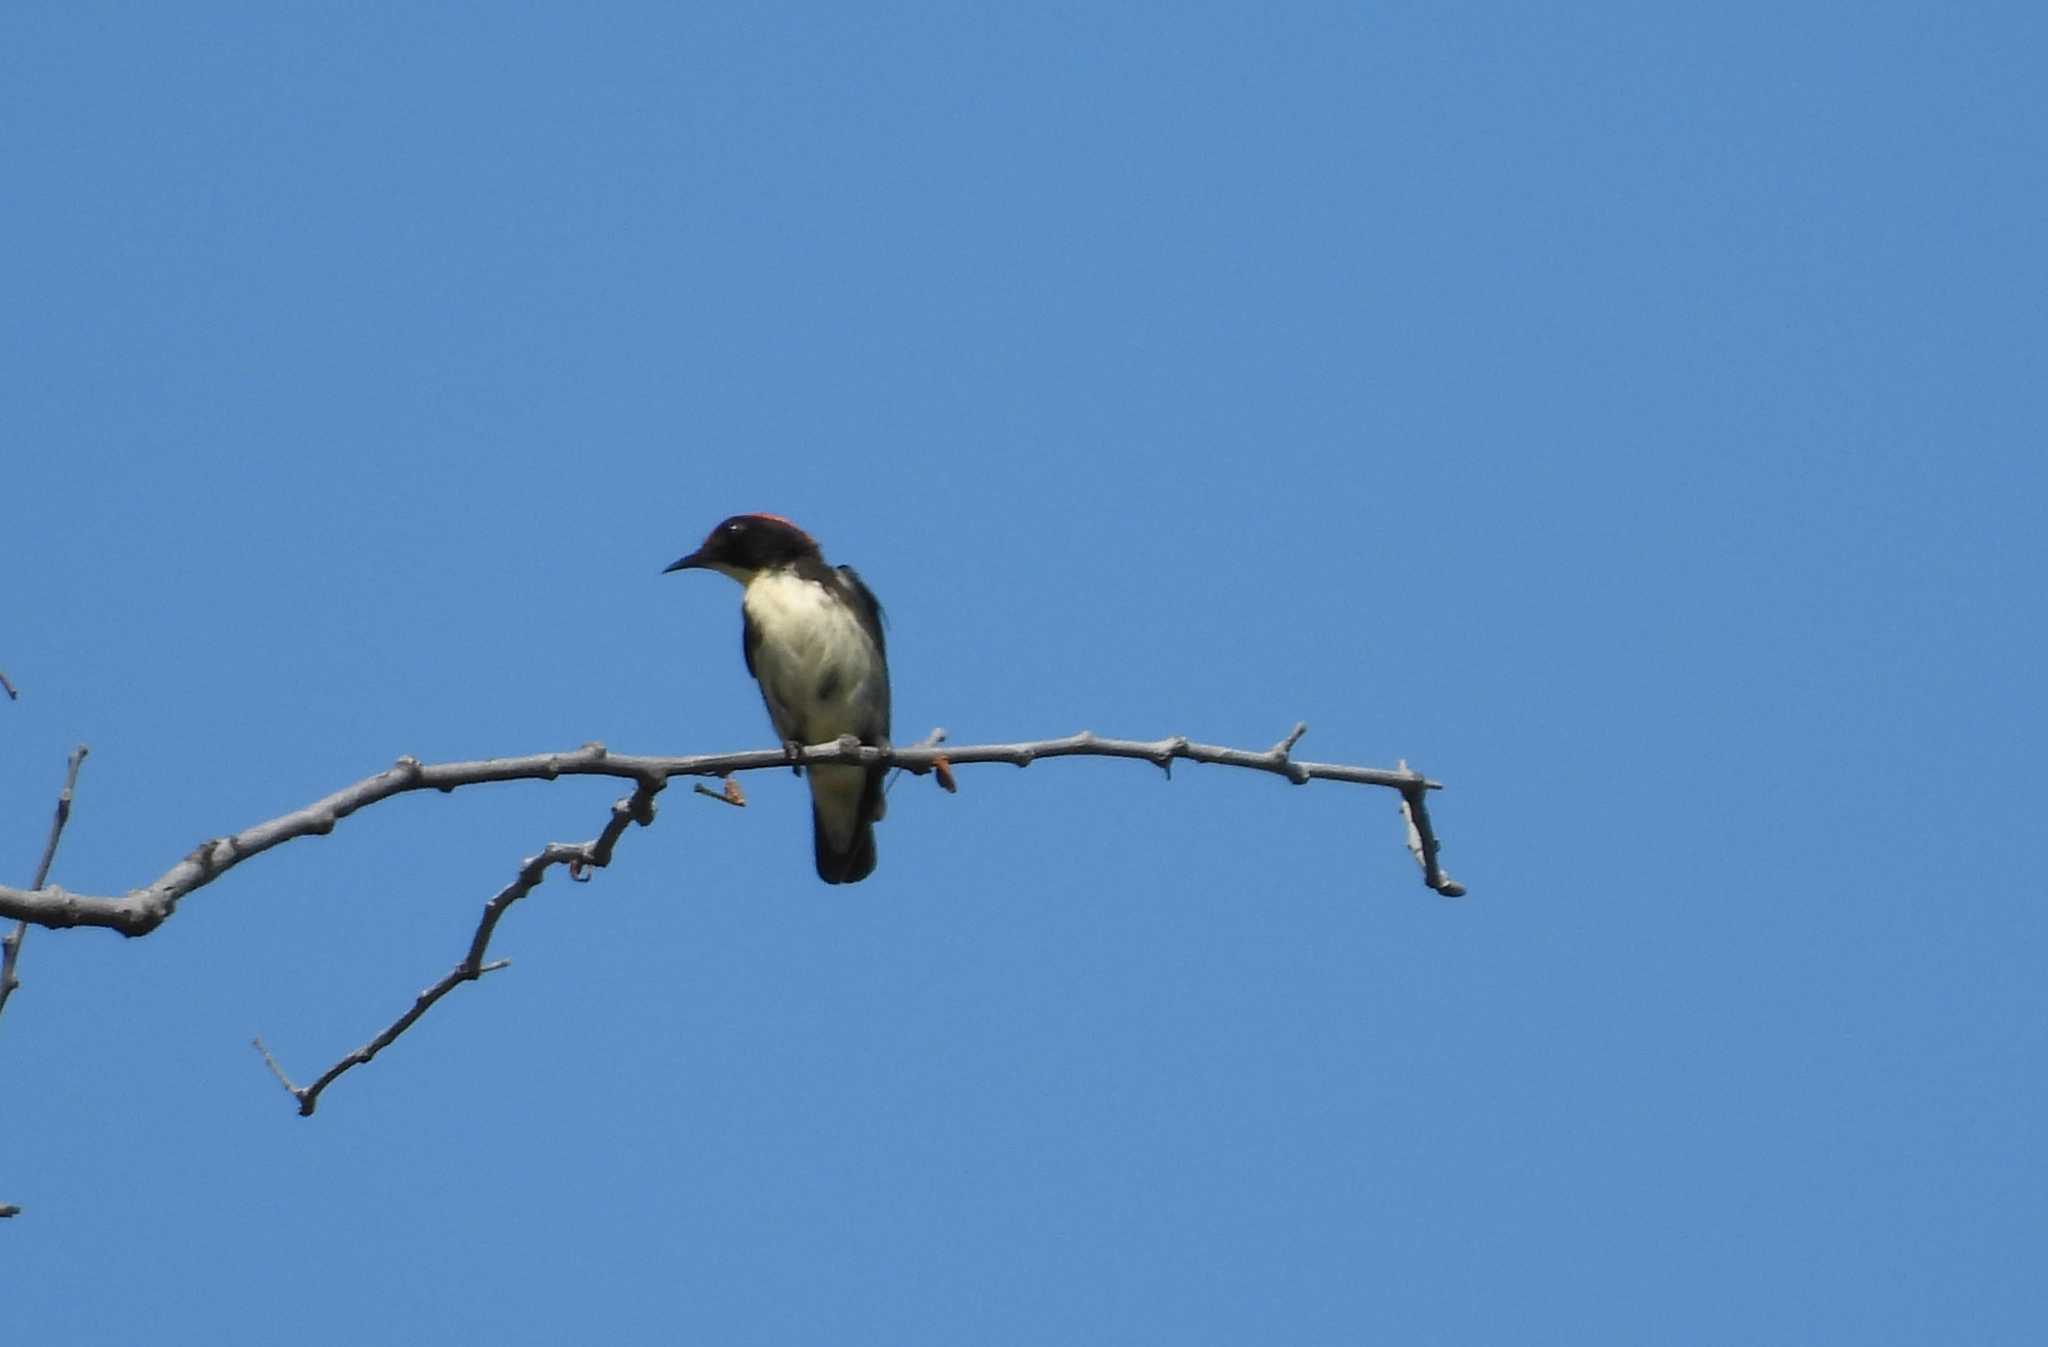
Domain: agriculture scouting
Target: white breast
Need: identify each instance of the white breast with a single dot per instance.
(811, 643)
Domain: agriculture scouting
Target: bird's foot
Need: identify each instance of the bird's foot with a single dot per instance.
(794, 751)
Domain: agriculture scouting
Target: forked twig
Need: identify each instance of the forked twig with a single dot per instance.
(595, 854)
(10, 944)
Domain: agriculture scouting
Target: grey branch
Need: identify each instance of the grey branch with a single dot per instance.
(1422, 843)
(596, 853)
(12, 696)
(10, 944)
(143, 910)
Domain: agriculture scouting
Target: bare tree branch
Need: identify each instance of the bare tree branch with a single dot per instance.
(12, 696)
(10, 944)
(596, 853)
(143, 910)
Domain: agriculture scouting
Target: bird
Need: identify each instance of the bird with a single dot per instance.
(812, 636)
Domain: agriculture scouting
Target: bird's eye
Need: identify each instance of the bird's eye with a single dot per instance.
(733, 527)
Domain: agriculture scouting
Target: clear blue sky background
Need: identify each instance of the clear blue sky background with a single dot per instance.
(1633, 416)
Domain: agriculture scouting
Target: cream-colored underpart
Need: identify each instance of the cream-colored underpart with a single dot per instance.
(807, 634)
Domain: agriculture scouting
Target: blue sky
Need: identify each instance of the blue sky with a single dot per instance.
(1632, 416)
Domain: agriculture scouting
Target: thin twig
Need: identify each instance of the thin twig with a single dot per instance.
(1422, 842)
(596, 853)
(12, 696)
(143, 910)
(10, 944)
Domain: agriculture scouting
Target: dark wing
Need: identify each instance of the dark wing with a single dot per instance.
(869, 609)
(750, 640)
(867, 605)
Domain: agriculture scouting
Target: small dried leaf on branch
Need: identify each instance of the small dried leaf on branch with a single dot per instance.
(731, 795)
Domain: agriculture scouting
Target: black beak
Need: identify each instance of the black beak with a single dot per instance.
(694, 561)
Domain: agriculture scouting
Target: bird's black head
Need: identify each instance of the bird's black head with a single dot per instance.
(747, 544)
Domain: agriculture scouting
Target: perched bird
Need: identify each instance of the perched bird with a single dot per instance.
(813, 640)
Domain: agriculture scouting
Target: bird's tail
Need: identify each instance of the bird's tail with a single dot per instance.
(845, 802)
